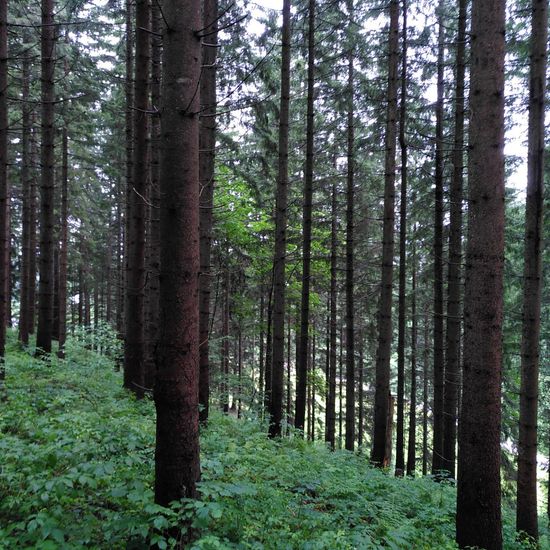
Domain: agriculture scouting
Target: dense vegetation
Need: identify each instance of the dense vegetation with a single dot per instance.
(77, 472)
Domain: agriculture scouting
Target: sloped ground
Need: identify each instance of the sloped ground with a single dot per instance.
(77, 461)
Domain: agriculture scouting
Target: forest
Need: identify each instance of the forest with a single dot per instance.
(273, 275)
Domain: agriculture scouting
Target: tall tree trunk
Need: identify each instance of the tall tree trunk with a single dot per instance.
(207, 158)
(279, 260)
(350, 320)
(134, 346)
(288, 407)
(176, 393)
(401, 344)
(312, 383)
(153, 244)
(438, 358)
(268, 351)
(35, 161)
(26, 182)
(4, 198)
(478, 518)
(341, 390)
(303, 340)
(225, 344)
(411, 450)
(383, 354)
(526, 518)
(63, 243)
(331, 382)
(360, 396)
(425, 394)
(47, 160)
(454, 312)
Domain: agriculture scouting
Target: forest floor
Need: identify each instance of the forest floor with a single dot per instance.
(77, 466)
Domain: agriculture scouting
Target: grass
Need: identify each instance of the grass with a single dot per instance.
(77, 463)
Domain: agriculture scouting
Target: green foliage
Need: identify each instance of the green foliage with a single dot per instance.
(77, 455)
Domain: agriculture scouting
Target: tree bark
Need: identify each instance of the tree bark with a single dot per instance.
(350, 320)
(134, 345)
(47, 159)
(454, 312)
(438, 358)
(478, 518)
(207, 154)
(279, 260)
(331, 382)
(176, 394)
(383, 354)
(526, 516)
(303, 340)
(401, 343)
(425, 394)
(63, 243)
(411, 450)
(26, 182)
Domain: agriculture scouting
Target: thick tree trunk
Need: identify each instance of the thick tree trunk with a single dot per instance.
(4, 198)
(438, 358)
(350, 320)
(47, 159)
(134, 345)
(383, 354)
(411, 450)
(454, 312)
(478, 518)
(279, 260)
(207, 158)
(401, 343)
(176, 394)
(331, 382)
(526, 518)
(303, 340)
(63, 243)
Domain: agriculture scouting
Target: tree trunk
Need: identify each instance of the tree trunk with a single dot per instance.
(63, 243)
(341, 390)
(35, 160)
(383, 354)
(176, 393)
(303, 340)
(331, 382)
(4, 198)
(350, 320)
(26, 182)
(361, 392)
(425, 395)
(279, 260)
(526, 518)
(438, 358)
(454, 312)
(225, 345)
(478, 518)
(47, 160)
(411, 450)
(134, 346)
(401, 343)
(207, 153)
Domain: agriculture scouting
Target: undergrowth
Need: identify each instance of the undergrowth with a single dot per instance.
(77, 462)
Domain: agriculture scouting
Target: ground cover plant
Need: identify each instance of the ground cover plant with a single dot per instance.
(77, 462)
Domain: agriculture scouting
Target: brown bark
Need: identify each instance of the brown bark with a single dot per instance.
(153, 239)
(63, 243)
(207, 161)
(526, 516)
(26, 182)
(454, 312)
(331, 382)
(4, 198)
(303, 340)
(350, 319)
(383, 353)
(438, 358)
(402, 306)
(389, 431)
(478, 518)
(47, 160)
(134, 345)
(279, 260)
(177, 466)
(411, 450)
